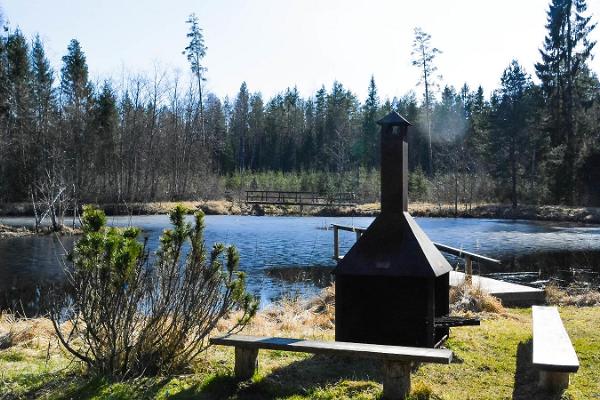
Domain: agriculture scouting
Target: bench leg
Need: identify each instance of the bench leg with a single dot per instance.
(246, 362)
(551, 380)
(396, 380)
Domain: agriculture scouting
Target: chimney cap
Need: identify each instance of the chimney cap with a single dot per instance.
(394, 119)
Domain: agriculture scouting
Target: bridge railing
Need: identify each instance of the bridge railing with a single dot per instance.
(279, 197)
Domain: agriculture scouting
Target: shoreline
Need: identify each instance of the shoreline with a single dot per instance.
(7, 232)
(553, 213)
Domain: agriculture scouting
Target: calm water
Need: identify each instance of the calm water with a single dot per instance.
(292, 256)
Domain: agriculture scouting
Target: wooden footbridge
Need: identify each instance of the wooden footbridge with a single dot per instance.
(279, 197)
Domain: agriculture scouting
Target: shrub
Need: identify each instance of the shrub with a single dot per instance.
(572, 295)
(471, 298)
(130, 316)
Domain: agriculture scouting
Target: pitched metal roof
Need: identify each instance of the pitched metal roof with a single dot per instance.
(394, 119)
(394, 245)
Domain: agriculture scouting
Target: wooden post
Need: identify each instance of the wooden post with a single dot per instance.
(336, 250)
(468, 270)
(553, 381)
(396, 380)
(246, 362)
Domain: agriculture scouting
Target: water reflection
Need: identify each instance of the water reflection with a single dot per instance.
(292, 256)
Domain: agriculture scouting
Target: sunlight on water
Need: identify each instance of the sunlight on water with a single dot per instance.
(269, 243)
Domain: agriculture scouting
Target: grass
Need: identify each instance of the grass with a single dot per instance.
(492, 361)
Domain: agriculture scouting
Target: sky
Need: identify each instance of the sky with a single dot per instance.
(274, 44)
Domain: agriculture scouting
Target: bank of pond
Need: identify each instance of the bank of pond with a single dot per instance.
(289, 257)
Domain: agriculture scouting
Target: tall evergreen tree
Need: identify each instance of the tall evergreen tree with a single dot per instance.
(509, 141)
(20, 161)
(76, 96)
(320, 121)
(239, 125)
(106, 120)
(195, 52)
(256, 130)
(45, 108)
(216, 131)
(424, 56)
(308, 147)
(368, 144)
(342, 108)
(566, 49)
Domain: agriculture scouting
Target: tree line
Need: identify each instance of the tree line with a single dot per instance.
(163, 137)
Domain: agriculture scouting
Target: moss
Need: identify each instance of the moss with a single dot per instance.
(492, 361)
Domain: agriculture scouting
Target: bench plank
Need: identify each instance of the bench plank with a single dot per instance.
(376, 351)
(552, 348)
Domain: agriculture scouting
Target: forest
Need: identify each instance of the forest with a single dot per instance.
(152, 137)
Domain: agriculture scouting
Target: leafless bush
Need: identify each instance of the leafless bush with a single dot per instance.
(129, 316)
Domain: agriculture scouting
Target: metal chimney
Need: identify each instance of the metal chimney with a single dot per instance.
(394, 163)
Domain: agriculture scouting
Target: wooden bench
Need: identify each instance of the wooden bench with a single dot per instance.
(397, 360)
(553, 353)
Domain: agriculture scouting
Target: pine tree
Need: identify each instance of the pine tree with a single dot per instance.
(566, 49)
(320, 121)
(256, 130)
(216, 132)
(195, 52)
(20, 161)
(308, 150)
(342, 107)
(76, 95)
(45, 109)
(106, 120)
(408, 107)
(509, 141)
(239, 125)
(478, 124)
(424, 56)
(368, 144)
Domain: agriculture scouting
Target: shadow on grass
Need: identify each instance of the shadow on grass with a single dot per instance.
(338, 376)
(75, 386)
(298, 378)
(526, 377)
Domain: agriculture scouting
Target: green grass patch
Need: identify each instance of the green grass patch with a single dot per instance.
(492, 361)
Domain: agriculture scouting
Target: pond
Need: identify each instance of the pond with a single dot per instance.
(292, 256)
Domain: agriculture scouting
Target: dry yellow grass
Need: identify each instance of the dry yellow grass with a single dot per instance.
(581, 298)
(470, 298)
(16, 331)
(313, 318)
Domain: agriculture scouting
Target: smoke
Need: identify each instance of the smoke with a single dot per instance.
(447, 118)
(448, 127)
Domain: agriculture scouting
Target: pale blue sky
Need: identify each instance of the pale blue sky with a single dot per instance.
(272, 44)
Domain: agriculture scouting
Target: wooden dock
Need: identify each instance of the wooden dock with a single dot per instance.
(511, 294)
